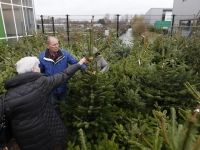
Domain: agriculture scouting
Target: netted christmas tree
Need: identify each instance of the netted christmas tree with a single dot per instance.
(90, 103)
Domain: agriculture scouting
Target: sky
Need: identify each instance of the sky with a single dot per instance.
(98, 7)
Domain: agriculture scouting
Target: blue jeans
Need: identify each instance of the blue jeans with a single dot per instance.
(58, 96)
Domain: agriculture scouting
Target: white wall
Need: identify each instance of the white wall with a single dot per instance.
(185, 9)
(155, 14)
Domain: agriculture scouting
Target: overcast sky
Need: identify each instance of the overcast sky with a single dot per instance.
(98, 7)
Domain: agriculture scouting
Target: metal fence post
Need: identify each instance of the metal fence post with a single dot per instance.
(67, 28)
(173, 16)
(53, 25)
(117, 25)
(42, 24)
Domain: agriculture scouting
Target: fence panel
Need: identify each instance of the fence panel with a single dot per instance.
(75, 27)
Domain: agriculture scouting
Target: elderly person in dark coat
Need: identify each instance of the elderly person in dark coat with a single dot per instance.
(35, 124)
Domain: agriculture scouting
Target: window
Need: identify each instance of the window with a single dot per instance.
(8, 20)
(5, 1)
(19, 20)
(30, 25)
(17, 2)
(27, 3)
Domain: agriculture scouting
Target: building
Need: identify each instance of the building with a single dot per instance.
(17, 18)
(185, 12)
(159, 17)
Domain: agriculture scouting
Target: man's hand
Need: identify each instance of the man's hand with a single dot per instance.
(82, 61)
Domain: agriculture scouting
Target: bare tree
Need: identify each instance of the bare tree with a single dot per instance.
(138, 24)
(107, 19)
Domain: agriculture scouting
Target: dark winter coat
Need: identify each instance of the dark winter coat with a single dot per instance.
(35, 124)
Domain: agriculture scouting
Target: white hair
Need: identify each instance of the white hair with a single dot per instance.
(26, 64)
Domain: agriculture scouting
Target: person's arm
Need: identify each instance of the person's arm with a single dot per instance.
(104, 65)
(60, 78)
(83, 66)
(72, 60)
(41, 66)
(42, 69)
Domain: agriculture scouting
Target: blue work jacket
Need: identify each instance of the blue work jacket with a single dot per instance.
(50, 67)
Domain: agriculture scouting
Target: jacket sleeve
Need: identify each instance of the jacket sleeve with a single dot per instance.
(58, 79)
(41, 65)
(72, 60)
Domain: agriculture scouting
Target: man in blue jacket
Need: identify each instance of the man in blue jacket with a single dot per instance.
(54, 60)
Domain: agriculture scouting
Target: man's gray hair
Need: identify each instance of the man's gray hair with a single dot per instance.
(26, 64)
(49, 38)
